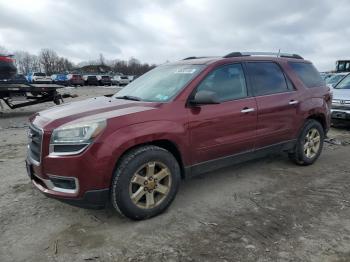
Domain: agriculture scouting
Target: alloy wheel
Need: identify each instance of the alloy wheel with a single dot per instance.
(150, 185)
(312, 143)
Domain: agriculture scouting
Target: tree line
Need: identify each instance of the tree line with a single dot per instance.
(49, 62)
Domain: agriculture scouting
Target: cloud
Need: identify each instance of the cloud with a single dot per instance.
(156, 31)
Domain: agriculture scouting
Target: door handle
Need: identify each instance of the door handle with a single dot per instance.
(293, 102)
(247, 110)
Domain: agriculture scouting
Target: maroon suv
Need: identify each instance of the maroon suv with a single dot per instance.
(174, 122)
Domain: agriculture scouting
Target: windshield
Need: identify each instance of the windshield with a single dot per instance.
(344, 84)
(334, 79)
(160, 84)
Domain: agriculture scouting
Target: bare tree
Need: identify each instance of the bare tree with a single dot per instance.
(26, 62)
(48, 59)
(131, 67)
(102, 60)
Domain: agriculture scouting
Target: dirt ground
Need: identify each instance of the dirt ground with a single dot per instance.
(265, 210)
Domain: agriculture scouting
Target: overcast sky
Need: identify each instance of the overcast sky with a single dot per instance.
(156, 31)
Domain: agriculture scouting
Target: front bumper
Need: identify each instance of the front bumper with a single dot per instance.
(93, 199)
(340, 114)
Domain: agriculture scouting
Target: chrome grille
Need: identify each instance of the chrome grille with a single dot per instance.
(35, 139)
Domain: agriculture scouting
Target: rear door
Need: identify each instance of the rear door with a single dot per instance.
(227, 128)
(277, 103)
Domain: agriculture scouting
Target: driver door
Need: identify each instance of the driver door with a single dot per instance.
(227, 128)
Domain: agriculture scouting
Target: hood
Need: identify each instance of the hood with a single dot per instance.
(86, 110)
(342, 94)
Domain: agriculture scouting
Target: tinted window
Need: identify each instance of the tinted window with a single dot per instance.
(228, 82)
(267, 78)
(308, 74)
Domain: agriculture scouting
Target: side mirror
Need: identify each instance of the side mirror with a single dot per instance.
(205, 98)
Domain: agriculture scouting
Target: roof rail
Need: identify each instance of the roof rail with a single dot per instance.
(195, 57)
(278, 54)
(190, 57)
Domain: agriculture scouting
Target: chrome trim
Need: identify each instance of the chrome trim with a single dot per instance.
(247, 110)
(52, 187)
(341, 110)
(31, 160)
(341, 102)
(293, 102)
(41, 145)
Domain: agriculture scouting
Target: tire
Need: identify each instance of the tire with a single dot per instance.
(307, 150)
(136, 163)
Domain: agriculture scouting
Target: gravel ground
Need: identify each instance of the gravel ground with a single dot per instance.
(265, 210)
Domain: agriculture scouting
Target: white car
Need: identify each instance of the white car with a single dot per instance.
(120, 80)
(131, 78)
(39, 78)
(335, 79)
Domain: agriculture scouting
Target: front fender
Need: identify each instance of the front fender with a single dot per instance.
(116, 143)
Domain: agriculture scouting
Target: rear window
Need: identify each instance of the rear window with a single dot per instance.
(308, 74)
(267, 77)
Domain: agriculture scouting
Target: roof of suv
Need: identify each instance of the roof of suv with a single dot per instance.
(238, 56)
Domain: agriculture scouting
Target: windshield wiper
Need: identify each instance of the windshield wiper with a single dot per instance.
(133, 98)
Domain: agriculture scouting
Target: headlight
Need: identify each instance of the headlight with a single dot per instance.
(74, 138)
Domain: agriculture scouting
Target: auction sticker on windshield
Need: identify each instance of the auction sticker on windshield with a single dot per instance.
(185, 71)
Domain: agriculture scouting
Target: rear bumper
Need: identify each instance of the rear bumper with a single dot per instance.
(42, 81)
(60, 82)
(76, 82)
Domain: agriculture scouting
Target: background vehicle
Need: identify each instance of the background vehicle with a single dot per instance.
(176, 121)
(39, 78)
(75, 80)
(104, 80)
(326, 75)
(335, 79)
(121, 80)
(131, 78)
(90, 80)
(7, 67)
(20, 79)
(16, 92)
(342, 66)
(341, 102)
(60, 79)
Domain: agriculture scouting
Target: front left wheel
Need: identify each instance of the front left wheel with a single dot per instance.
(145, 182)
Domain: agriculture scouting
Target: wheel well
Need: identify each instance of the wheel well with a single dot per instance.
(320, 118)
(166, 144)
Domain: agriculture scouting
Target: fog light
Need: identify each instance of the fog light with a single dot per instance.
(64, 183)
